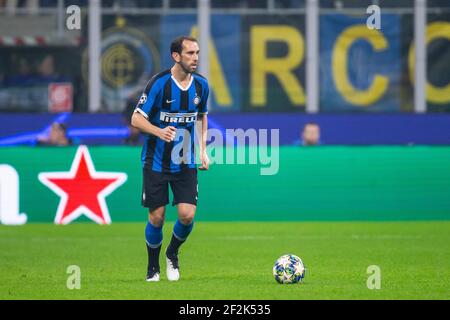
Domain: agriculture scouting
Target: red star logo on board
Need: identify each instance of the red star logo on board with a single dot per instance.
(82, 189)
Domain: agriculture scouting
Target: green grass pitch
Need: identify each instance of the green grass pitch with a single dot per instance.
(229, 261)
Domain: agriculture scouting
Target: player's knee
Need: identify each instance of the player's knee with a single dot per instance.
(186, 213)
(157, 217)
(186, 220)
(156, 221)
(186, 217)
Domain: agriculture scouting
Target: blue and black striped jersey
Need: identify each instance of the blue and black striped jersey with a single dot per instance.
(165, 102)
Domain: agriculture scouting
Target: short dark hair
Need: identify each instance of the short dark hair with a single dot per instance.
(177, 43)
(310, 123)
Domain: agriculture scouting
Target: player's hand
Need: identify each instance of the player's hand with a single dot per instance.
(168, 134)
(205, 161)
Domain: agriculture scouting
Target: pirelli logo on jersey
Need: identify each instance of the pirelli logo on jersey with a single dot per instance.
(178, 117)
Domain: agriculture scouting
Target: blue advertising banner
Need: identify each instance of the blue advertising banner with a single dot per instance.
(336, 129)
(224, 55)
(360, 68)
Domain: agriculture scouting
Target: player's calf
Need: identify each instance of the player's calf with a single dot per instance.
(153, 240)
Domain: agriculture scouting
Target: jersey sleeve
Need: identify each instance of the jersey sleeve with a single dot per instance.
(203, 107)
(148, 98)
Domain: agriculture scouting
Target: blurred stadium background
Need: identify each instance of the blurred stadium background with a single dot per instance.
(380, 97)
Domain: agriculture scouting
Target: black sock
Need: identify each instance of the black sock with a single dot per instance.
(153, 258)
(175, 243)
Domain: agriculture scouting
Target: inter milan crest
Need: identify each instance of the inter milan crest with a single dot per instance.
(127, 55)
(196, 100)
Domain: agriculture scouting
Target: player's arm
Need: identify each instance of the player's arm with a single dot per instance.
(146, 103)
(140, 122)
(202, 129)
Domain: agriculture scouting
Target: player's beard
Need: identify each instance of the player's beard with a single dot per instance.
(186, 69)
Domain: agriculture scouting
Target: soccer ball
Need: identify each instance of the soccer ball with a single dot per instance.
(289, 269)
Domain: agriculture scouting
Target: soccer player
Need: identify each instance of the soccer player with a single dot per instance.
(172, 105)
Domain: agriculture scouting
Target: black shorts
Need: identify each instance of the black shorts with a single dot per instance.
(155, 191)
